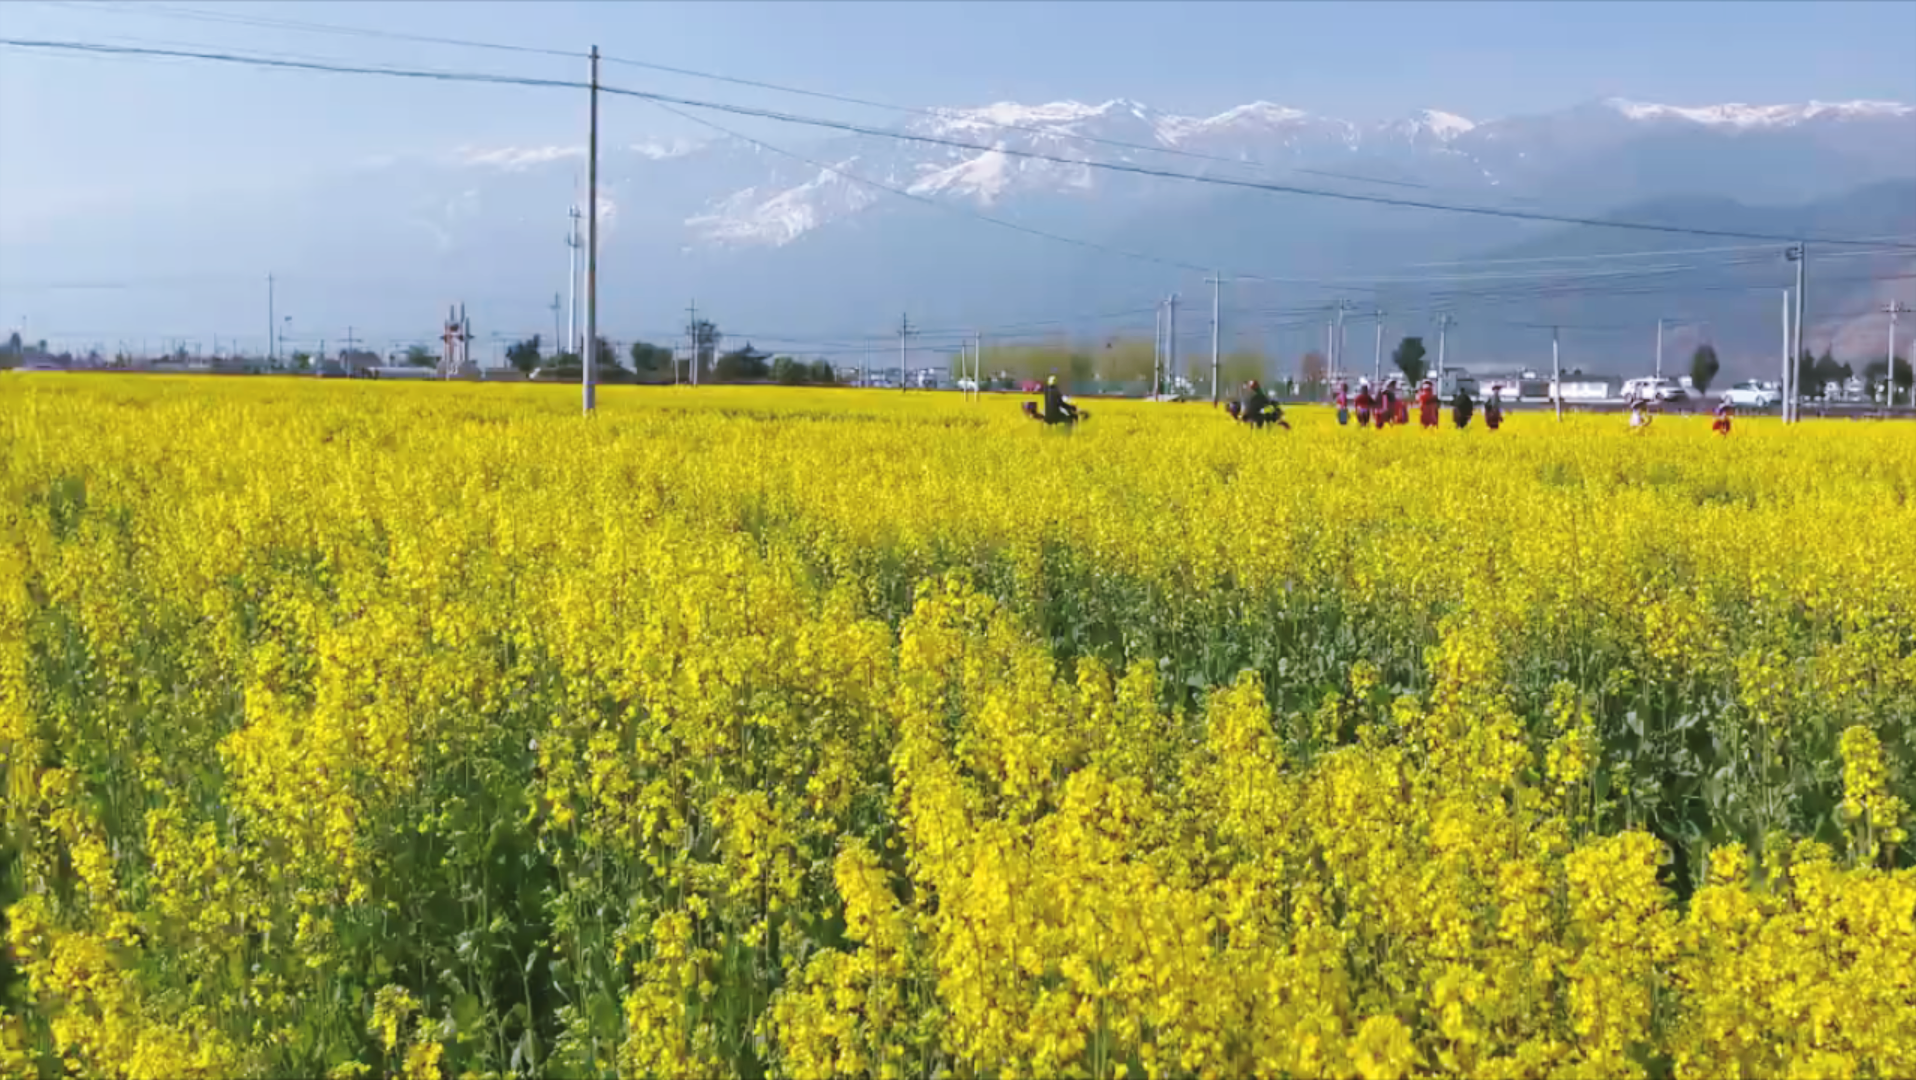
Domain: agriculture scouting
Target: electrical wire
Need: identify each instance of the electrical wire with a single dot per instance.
(264, 22)
(167, 11)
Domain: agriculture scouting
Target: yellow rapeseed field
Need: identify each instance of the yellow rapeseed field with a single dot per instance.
(360, 730)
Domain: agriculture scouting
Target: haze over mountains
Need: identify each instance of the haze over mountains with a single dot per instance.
(820, 243)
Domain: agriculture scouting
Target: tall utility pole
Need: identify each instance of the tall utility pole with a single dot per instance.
(1444, 323)
(1337, 355)
(1157, 353)
(272, 327)
(1659, 348)
(1784, 384)
(977, 366)
(905, 333)
(1377, 363)
(1171, 337)
(572, 243)
(1556, 375)
(560, 344)
(1800, 256)
(1216, 284)
(1893, 309)
(587, 370)
(692, 336)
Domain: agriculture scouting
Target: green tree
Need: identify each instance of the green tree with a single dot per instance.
(1704, 367)
(705, 342)
(419, 356)
(1828, 371)
(1806, 384)
(788, 372)
(607, 358)
(524, 355)
(1873, 376)
(1409, 358)
(650, 359)
(741, 365)
(822, 374)
(302, 360)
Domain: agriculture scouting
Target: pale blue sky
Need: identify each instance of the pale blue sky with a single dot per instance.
(103, 128)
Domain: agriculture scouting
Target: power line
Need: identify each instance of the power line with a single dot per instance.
(290, 24)
(264, 22)
(770, 114)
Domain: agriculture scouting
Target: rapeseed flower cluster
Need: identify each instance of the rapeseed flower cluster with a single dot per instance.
(432, 732)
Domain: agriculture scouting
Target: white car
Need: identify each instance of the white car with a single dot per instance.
(1751, 395)
(1653, 390)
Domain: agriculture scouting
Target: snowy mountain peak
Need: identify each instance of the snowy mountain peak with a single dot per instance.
(1258, 112)
(1442, 124)
(1012, 114)
(1739, 115)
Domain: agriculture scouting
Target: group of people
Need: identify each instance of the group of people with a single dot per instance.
(1387, 406)
(1382, 407)
(1642, 411)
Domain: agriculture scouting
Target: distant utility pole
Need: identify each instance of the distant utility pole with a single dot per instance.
(1157, 353)
(1171, 337)
(905, 333)
(1378, 362)
(559, 342)
(1216, 284)
(572, 243)
(1556, 375)
(977, 366)
(1800, 256)
(692, 336)
(1444, 323)
(1337, 355)
(1782, 387)
(272, 327)
(587, 374)
(1659, 348)
(1893, 309)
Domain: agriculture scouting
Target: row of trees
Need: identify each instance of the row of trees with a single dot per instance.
(660, 363)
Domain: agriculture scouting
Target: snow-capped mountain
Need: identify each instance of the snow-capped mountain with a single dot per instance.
(822, 237)
(1009, 154)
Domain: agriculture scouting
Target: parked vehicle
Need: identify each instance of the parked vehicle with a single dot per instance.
(1664, 390)
(1752, 395)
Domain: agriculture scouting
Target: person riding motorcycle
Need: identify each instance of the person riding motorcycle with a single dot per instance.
(1056, 409)
(1257, 409)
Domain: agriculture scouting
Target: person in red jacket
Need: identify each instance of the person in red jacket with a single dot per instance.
(1365, 402)
(1725, 412)
(1427, 405)
(1343, 401)
(1494, 408)
(1387, 405)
